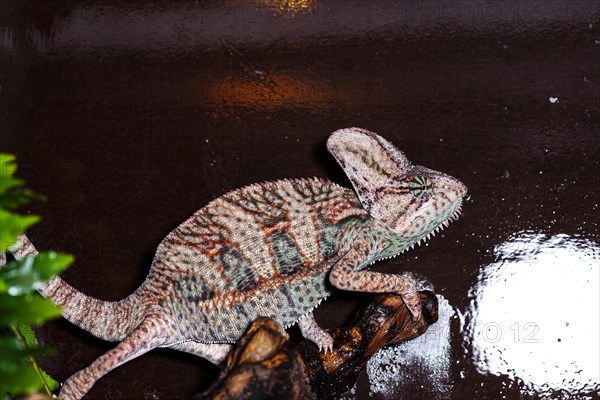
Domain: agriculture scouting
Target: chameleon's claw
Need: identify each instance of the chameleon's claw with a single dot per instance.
(411, 296)
(328, 348)
(326, 344)
(414, 306)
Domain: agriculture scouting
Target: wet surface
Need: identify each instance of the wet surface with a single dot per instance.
(538, 336)
(129, 118)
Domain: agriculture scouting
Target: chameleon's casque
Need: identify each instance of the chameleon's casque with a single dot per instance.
(272, 249)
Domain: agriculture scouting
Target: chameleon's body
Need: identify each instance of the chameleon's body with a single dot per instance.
(272, 249)
(263, 250)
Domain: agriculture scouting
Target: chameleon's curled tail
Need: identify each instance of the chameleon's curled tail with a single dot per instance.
(108, 320)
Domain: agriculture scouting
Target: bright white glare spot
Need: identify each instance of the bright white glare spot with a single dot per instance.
(393, 368)
(535, 313)
(553, 100)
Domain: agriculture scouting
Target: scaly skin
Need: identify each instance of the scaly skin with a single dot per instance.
(273, 249)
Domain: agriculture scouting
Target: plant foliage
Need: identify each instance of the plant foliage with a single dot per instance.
(20, 305)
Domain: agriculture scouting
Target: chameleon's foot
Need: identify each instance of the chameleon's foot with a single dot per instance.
(410, 295)
(313, 332)
(324, 341)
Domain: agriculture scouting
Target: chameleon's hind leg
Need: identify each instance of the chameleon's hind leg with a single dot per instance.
(313, 332)
(344, 276)
(148, 335)
(213, 352)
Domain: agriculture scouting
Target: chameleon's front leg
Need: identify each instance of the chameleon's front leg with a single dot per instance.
(344, 276)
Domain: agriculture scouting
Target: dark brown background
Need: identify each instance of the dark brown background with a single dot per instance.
(130, 117)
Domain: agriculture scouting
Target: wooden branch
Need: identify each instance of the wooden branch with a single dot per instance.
(267, 365)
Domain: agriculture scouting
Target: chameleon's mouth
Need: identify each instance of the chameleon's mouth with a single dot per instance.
(453, 216)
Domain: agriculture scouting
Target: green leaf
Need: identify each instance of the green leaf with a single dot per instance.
(26, 309)
(27, 334)
(27, 341)
(19, 306)
(18, 374)
(12, 225)
(51, 383)
(27, 338)
(11, 193)
(7, 183)
(29, 274)
(13, 351)
(20, 379)
(8, 166)
(11, 200)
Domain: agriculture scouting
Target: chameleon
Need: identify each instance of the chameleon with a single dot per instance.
(274, 249)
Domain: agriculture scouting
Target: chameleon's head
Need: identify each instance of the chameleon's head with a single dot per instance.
(410, 200)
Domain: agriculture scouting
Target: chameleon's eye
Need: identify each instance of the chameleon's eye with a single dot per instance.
(420, 187)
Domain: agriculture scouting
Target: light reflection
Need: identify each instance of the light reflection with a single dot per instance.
(290, 6)
(535, 314)
(274, 91)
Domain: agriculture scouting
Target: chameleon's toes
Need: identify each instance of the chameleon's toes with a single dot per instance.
(414, 306)
(313, 332)
(325, 342)
(410, 295)
(328, 348)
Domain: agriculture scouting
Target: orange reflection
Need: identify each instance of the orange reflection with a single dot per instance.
(272, 91)
(294, 6)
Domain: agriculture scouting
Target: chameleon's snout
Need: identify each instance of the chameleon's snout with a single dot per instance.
(464, 191)
(461, 189)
